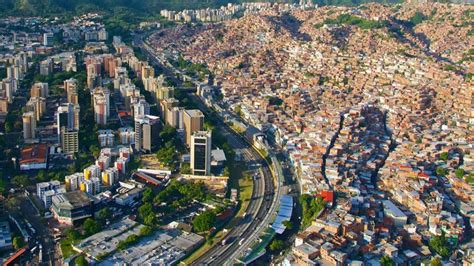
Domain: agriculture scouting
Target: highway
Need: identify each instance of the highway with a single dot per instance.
(263, 195)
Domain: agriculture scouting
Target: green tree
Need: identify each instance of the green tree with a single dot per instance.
(72, 235)
(167, 154)
(130, 240)
(288, 224)
(226, 171)
(150, 219)
(42, 176)
(21, 180)
(185, 169)
(3, 185)
(81, 261)
(91, 226)
(146, 231)
(439, 244)
(168, 133)
(386, 261)
(94, 150)
(312, 206)
(276, 245)
(145, 210)
(441, 171)
(104, 214)
(436, 261)
(18, 242)
(417, 18)
(470, 179)
(147, 195)
(204, 221)
(459, 173)
(443, 156)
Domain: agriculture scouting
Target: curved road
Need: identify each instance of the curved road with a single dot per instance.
(263, 187)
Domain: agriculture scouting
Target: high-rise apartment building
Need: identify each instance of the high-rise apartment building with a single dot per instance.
(147, 72)
(147, 129)
(29, 126)
(37, 105)
(193, 120)
(40, 89)
(201, 144)
(101, 103)
(48, 39)
(70, 86)
(69, 140)
(67, 119)
(166, 106)
(68, 116)
(141, 108)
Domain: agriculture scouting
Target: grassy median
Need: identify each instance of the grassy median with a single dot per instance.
(244, 183)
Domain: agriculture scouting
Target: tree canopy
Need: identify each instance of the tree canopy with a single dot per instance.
(276, 245)
(439, 244)
(91, 226)
(311, 208)
(204, 221)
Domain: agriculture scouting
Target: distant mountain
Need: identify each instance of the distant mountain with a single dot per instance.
(49, 7)
(143, 7)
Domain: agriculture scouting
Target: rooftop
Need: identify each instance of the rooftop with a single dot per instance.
(37, 153)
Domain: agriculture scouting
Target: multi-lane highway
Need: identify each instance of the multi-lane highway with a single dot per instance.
(262, 201)
(262, 197)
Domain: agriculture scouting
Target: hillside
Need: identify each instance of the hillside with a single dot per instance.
(138, 7)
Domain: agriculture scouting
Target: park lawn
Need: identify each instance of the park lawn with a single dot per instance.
(66, 248)
(204, 248)
(246, 189)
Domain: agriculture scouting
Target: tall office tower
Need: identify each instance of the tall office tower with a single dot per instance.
(29, 126)
(69, 140)
(37, 105)
(147, 129)
(201, 144)
(40, 90)
(141, 108)
(193, 120)
(70, 86)
(48, 39)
